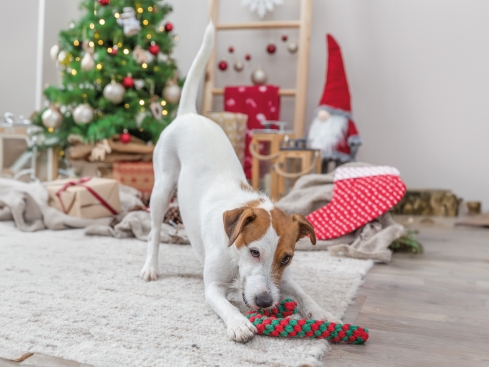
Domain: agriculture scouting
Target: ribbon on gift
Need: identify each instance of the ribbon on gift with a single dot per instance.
(81, 182)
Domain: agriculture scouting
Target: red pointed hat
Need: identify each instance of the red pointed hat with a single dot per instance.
(336, 95)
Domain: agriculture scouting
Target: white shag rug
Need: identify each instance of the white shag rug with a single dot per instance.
(80, 298)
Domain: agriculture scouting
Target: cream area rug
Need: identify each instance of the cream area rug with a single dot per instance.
(80, 298)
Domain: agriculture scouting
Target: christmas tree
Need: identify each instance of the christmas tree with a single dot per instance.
(117, 72)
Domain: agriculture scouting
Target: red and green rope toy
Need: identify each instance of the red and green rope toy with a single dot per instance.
(277, 322)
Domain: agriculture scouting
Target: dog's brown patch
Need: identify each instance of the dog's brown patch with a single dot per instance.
(289, 229)
(246, 187)
(246, 224)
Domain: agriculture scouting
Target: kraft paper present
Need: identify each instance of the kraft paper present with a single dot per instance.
(89, 198)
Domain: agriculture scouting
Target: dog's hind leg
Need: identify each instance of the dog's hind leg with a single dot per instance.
(165, 183)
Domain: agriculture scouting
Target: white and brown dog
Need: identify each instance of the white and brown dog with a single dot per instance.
(237, 233)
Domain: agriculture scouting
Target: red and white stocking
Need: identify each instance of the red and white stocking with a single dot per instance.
(360, 195)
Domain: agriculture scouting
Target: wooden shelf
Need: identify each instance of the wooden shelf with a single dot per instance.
(281, 92)
(260, 25)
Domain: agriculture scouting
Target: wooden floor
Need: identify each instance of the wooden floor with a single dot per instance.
(422, 310)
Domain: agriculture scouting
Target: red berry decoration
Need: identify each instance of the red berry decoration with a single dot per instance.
(285, 37)
(231, 49)
(168, 27)
(154, 49)
(271, 48)
(125, 137)
(247, 57)
(223, 65)
(104, 2)
(128, 82)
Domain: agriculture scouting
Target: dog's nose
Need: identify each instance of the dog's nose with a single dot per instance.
(264, 300)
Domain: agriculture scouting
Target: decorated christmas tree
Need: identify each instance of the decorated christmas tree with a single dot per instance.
(118, 75)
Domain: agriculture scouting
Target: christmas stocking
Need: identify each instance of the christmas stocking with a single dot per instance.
(360, 195)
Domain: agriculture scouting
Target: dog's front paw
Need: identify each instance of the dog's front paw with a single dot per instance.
(317, 313)
(149, 272)
(240, 329)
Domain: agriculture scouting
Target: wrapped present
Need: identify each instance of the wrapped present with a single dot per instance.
(234, 125)
(88, 197)
(135, 174)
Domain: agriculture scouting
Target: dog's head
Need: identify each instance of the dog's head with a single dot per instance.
(265, 239)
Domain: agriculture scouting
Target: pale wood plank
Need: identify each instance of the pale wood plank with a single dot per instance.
(259, 25)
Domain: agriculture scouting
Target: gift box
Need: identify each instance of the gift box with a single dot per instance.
(234, 125)
(88, 197)
(135, 174)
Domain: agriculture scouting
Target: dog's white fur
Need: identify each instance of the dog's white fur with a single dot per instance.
(195, 154)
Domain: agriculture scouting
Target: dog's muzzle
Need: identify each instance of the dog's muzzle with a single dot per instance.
(264, 300)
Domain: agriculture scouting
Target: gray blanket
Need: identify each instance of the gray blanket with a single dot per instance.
(372, 241)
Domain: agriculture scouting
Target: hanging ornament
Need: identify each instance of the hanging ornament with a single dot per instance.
(114, 92)
(53, 53)
(114, 50)
(83, 114)
(104, 2)
(64, 58)
(261, 6)
(128, 82)
(139, 84)
(259, 76)
(172, 91)
(52, 118)
(292, 47)
(223, 65)
(154, 49)
(140, 55)
(247, 57)
(231, 49)
(271, 48)
(125, 137)
(285, 37)
(156, 108)
(127, 20)
(168, 27)
(87, 62)
(238, 65)
(87, 48)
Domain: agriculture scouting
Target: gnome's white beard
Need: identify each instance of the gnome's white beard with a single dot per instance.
(326, 135)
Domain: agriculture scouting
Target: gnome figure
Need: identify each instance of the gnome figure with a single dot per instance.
(333, 130)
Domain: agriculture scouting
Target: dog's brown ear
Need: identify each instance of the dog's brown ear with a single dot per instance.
(234, 221)
(305, 228)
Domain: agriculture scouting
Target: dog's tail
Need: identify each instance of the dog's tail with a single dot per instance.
(189, 93)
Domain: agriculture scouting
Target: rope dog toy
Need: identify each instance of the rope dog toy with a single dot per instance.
(277, 322)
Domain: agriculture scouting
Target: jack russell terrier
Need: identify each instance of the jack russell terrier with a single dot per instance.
(239, 234)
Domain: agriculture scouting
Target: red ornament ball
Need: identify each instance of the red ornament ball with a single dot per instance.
(231, 49)
(271, 48)
(168, 27)
(247, 57)
(114, 51)
(104, 2)
(125, 137)
(285, 37)
(128, 82)
(154, 49)
(223, 65)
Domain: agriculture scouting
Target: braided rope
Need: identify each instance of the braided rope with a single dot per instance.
(277, 322)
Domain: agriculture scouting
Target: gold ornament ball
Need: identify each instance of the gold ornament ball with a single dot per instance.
(114, 92)
(292, 47)
(259, 76)
(52, 118)
(172, 93)
(83, 114)
(239, 66)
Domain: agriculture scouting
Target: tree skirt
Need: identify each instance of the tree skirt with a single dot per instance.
(80, 298)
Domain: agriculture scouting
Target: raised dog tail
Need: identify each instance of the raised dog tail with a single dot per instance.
(189, 92)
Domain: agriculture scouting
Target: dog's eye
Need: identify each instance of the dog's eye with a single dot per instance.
(285, 260)
(255, 253)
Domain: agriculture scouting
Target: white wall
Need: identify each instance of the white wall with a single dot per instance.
(418, 72)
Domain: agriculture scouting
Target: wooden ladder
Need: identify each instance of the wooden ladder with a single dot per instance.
(300, 91)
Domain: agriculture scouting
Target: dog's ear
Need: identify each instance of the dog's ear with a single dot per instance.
(235, 220)
(305, 228)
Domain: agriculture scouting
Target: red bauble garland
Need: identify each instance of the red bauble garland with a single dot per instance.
(231, 49)
(168, 27)
(247, 57)
(271, 48)
(223, 65)
(125, 137)
(154, 49)
(128, 82)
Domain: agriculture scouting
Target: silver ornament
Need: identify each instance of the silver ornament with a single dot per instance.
(239, 66)
(292, 47)
(62, 56)
(259, 76)
(114, 92)
(53, 53)
(83, 114)
(52, 118)
(171, 93)
(87, 62)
